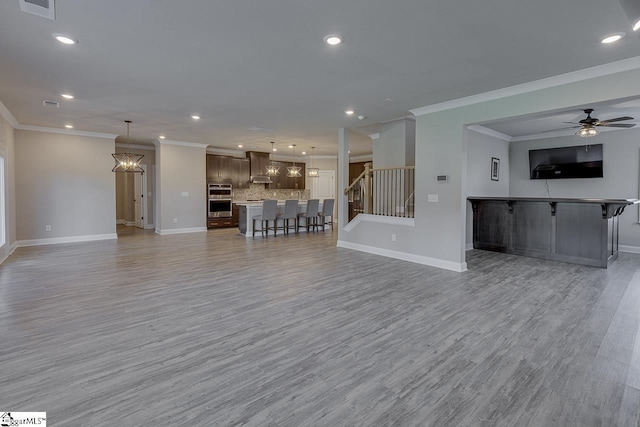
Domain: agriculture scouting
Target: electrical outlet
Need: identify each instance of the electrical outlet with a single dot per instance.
(47, 228)
(393, 237)
(175, 220)
(185, 194)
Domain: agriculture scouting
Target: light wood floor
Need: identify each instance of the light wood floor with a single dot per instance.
(215, 329)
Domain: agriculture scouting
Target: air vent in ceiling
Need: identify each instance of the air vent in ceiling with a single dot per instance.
(54, 104)
(44, 8)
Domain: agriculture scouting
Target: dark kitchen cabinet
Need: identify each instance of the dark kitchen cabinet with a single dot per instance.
(240, 173)
(218, 168)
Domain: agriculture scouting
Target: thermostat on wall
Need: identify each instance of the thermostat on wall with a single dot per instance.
(442, 178)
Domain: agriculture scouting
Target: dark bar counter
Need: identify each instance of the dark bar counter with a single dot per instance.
(579, 231)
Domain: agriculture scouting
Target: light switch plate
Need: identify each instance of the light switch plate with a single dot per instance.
(433, 198)
(185, 194)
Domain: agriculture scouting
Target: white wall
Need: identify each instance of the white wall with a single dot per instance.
(180, 169)
(7, 150)
(481, 148)
(64, 181)
(395, 147)
(621, 162)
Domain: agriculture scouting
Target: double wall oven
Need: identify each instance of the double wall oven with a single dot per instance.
(220, 199)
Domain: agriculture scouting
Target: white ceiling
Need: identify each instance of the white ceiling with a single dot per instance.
(263, 63)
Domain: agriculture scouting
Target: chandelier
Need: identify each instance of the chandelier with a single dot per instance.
(272, 169)
(313, 172)
(127, 162)
(294, 171)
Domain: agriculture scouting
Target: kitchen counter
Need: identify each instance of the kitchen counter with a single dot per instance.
(249, 209)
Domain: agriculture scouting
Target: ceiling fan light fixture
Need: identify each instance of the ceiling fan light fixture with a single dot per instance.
(587, 131)
(636, 26)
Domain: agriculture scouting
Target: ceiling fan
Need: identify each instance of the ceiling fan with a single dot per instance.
(588, 125)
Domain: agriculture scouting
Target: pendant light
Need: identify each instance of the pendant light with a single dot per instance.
(313, 172)
(272, 169)
(127, 162)
(294, 171)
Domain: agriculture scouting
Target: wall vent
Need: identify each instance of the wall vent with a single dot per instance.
(54, 104)
(43, 8)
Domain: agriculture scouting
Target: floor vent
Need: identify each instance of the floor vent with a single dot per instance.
(46, 103)
(43, 8)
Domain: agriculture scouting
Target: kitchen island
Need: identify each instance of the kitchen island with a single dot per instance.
(247, 210)
(579, 231)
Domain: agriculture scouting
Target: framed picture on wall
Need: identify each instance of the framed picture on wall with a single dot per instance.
(495, 169)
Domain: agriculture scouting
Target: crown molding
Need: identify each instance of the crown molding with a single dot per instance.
(407, 117)
(67, 131)
(4, 112)
(136, 146)
(226, 152)
(490, 132)
(549, 82)
(180, 143)
(361, 158)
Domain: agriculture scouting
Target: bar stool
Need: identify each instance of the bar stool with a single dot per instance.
(269, 208)
(327, 211)
(310, 216)
(290, 213)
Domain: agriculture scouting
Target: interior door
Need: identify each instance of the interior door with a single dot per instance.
(324, 187)
(138, 197)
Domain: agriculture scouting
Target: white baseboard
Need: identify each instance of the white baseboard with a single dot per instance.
(149, 227)
(469, 246)
(629, 249)
(69, 239)
(418, 259)
(120, 221)
(181, 230)
(12, 249)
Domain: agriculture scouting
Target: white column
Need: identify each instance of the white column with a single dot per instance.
(343, 179)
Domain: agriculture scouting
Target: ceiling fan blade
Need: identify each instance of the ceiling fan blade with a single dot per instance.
(572, 123)
(617, 125)
(617, 119)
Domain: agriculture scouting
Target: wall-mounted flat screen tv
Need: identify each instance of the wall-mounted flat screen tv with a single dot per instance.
(582, 161)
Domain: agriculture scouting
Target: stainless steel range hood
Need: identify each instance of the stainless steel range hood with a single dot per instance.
(261, 179)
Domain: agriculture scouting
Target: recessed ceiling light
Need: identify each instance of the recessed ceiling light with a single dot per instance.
(349, 112)
(195, 117)
(66, 96)
(291, 146)
(304, 152)
(69, 126)
(275, 149)
(612, 38)
(333, 39)
(162, 137)
(240, 145)
(62, 38)
(636, 26)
